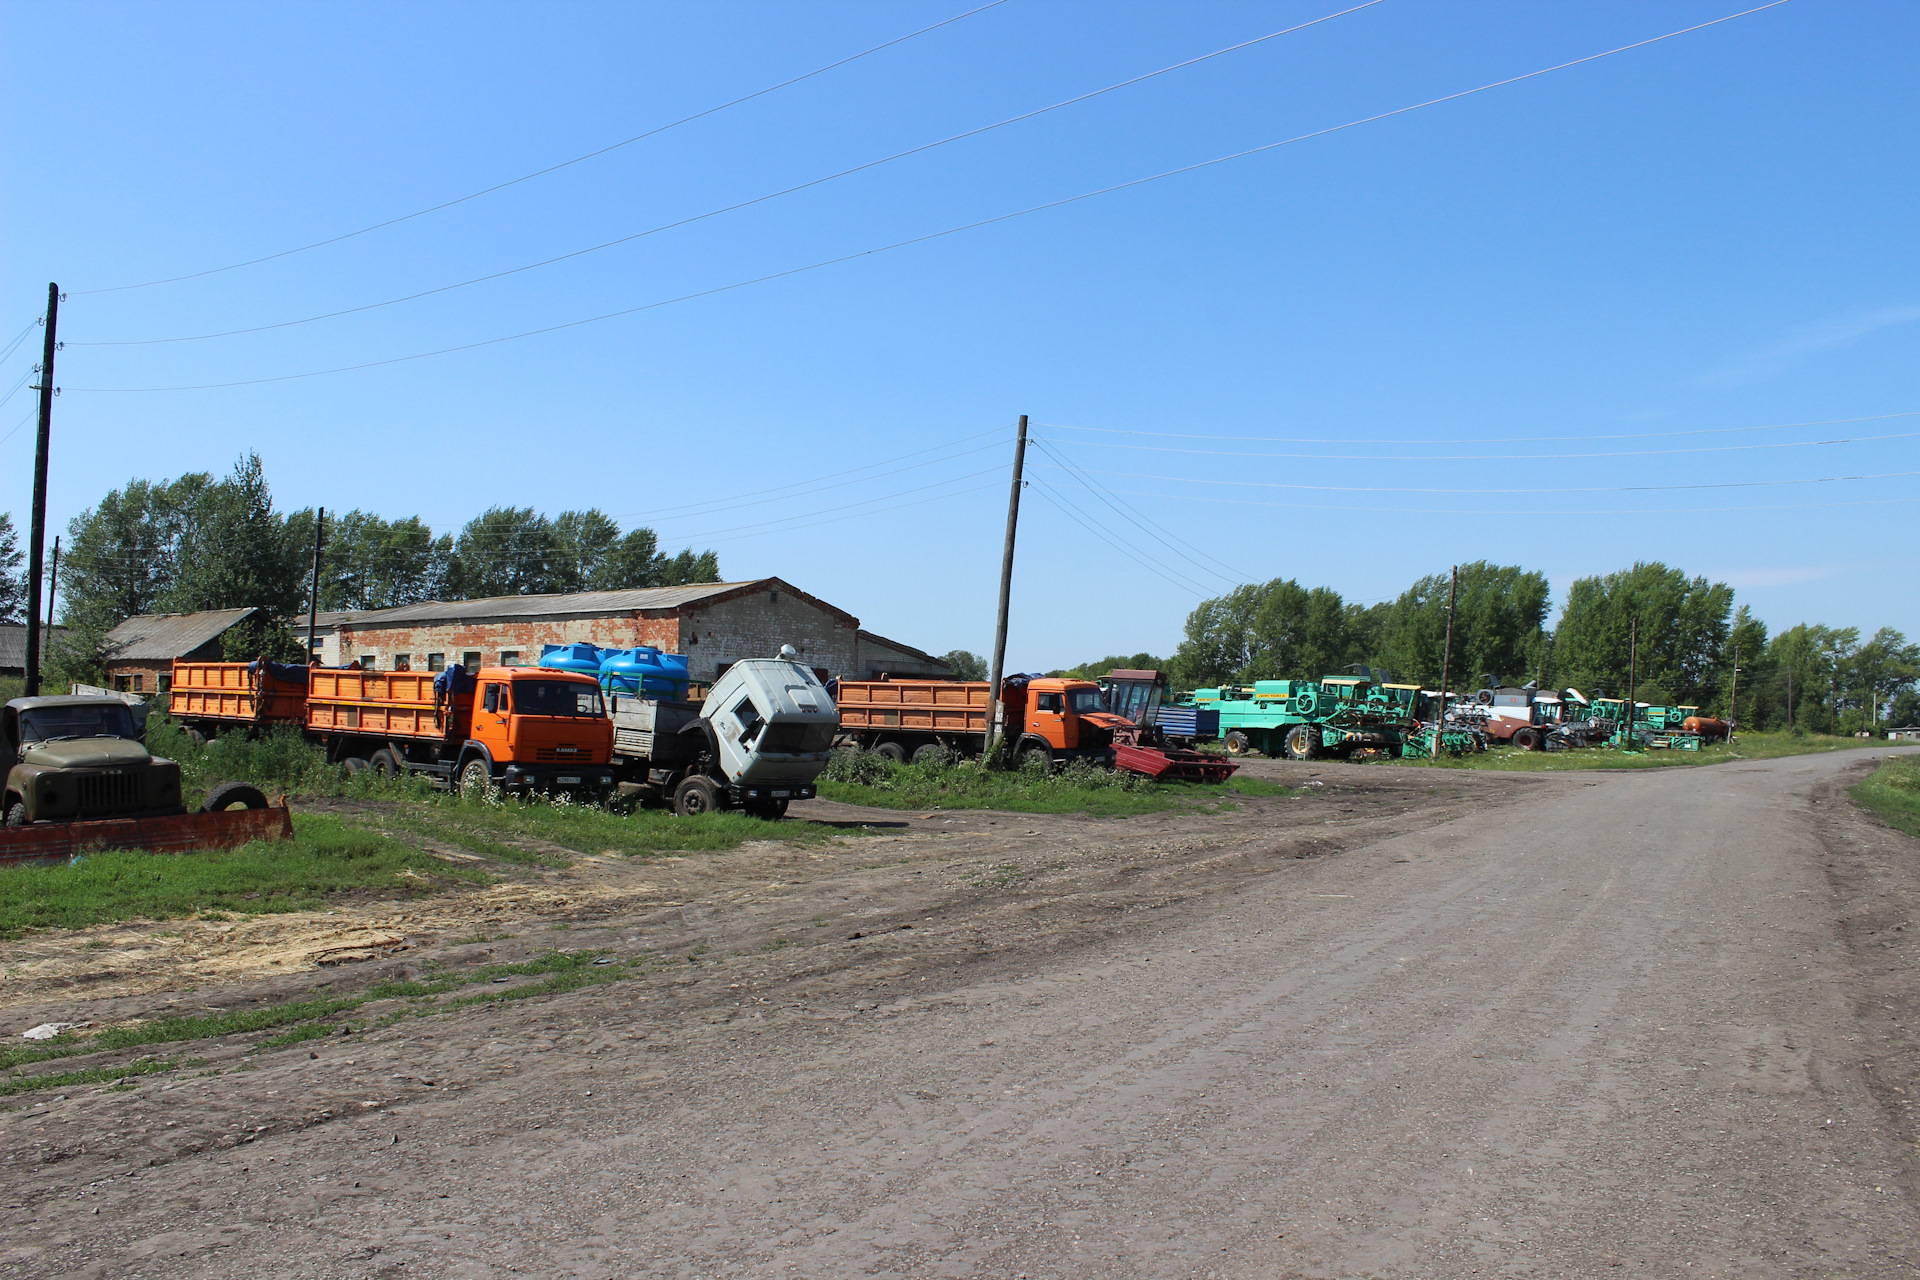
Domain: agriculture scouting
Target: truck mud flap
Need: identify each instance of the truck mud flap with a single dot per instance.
(1173, 765)
(54, 842)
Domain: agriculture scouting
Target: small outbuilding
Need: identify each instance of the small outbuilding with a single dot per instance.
(140, 652)
(13, 647)
(1910, 733)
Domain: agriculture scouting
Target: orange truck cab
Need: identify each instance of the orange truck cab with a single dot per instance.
(1055, 719)
(518, 728)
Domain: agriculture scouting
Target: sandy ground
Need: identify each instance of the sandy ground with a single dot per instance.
(1415, 1022)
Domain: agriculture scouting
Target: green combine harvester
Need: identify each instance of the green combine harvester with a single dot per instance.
(1301, 719)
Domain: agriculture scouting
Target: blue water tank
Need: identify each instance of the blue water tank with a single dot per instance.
(572, 657)
(644, 672)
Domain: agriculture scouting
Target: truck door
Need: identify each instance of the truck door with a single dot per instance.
(491, 722)
(1047, 719)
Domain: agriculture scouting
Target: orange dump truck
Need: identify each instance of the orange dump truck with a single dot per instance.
(522, 728)
(1052, 718)
(211, 698)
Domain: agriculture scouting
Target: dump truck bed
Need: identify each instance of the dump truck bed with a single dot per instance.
(379, 704)
(931, 706)
(229, 691)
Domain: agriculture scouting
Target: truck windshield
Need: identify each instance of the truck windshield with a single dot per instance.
(1085, 701)
(797, 737)
(556, 698)
(98, 720)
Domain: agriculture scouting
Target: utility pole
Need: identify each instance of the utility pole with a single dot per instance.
(1633, 680)
(1446, 664)
(994, 709)
(1733, 703)
(1789, 695)
(37, 537)
(53, 584)
(313, 593)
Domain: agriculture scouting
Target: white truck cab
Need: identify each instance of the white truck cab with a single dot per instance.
(770, 726)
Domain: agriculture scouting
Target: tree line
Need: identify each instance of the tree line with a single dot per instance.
(196, 542)
(1691, 636)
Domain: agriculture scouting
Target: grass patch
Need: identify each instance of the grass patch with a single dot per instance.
(1893, 792)
(312, 1031)
(280, 759)
(588, 829)
(1080, 787)
(61, 1079)
(1749, 746)
(326, 856)
(173, 1030)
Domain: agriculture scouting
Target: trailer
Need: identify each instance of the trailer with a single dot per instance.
(212, 698)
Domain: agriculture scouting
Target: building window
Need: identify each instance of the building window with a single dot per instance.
(166, 681)
(436, 662)
(509, 657)
(403, 662)
(136, 683)
(121, 684)
(369, 662)
(470, 660)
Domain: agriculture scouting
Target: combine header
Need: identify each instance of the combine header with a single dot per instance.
(1146, 746)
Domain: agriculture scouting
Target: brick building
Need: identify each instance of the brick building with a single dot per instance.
(140, 651)
(713, 624)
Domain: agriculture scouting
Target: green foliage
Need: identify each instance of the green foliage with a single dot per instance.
(511, 551)
(1905, 710)
(326, 856)
(1272, 630)
(232, 551)
(966, 665)
(261, 637)
(1079, 787)
(1499, 621)
(277, 760)
(367, 562)
(1893, 792)
(1099, 670)
(1683, 629)
(13, 583)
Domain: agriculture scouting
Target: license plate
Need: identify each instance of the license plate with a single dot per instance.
(781, 795)
(566, 780)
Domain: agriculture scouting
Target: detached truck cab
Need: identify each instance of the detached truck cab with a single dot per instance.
(762, 736)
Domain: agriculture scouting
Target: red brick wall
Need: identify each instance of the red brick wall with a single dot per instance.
(149, 674)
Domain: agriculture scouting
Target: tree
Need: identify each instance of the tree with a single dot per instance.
(13, 584)
(966, 665)
(1117, 662)
(1905, 713)
(1263, 631)
(1683, 625)
(232, 549)
(1498, 626)
(1747, 646)
(1881, 669)
(1801, 688)
(503, 551)
(583, 542)
(688, 568)
(120, 554)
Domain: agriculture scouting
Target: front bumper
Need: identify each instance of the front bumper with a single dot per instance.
(557, 777)
(773, 791)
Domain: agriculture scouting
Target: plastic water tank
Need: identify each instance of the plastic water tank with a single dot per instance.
(572, 657)
(644, 672)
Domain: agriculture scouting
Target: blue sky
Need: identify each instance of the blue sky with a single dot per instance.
(1629, 257)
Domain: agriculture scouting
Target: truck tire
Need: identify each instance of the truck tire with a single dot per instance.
(17, 814)
(693, 797)
(769, 810)
(352, 765)
(196, 737)
(1034, 751)
(1302, 742)
(891, 751)
(1237, 744)
(928, 751)
(475, 777)
(230, 795)
(385, 764)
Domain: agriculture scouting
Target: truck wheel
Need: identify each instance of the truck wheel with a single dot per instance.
(475, 777)
(693, 797)
(229, 795)
(17, 814)
(1236, 743)
(196, 737)
(928, 752)
(1302, 742)
(385, 764)
(769, 810)
(1035, 756)
(352, 765)
(891, 751)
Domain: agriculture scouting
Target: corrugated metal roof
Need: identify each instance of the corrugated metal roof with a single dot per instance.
(574, 605)
(13, 645)
(161, 637)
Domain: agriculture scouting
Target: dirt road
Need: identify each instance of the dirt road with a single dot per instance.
(1650, 1024)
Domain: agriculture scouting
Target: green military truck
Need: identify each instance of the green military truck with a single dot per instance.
(75, 758)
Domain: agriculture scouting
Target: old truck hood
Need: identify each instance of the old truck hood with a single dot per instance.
(85, 753)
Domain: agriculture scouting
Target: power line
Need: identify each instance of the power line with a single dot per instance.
(1048, 492)
(933, 235)
(1549, 511)
(1148, 527)
(1642, 435)
(1499, 457)
(539, 173)
(15, 388)
(31, 415)
(22, 337)
(732, 208)
(1630, 488)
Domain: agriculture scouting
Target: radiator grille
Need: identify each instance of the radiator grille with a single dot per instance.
(564, 751)
(108, 792)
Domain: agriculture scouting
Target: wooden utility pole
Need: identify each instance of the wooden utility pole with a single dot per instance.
(1633, 679)
(53, 583)
(1733, 703)
(37, 537)
(313, 593)
(995, 731)
(1446, 663)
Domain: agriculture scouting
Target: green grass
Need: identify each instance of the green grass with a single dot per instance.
(1749, 746)
(479, 823)
(61, 1079)
(173, 1030)
(1893, 792)
(866, 779)
(326, 856)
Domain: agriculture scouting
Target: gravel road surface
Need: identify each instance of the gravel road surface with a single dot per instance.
(1648, 1024)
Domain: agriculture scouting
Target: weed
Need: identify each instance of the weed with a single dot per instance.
(1748, 746)
(61, 1079)
(312, 1031)
(1893, 792)
(1079, 787)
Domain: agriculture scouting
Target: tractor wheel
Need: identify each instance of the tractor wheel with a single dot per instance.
(17, 814)
(385, 764)
(475, 778)
(693, 797)
(891, 751)
(1302, 742)
(1526, 739)
(1237, 744)
(231, 795)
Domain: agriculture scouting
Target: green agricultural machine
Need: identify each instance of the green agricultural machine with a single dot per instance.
(1301, 719)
